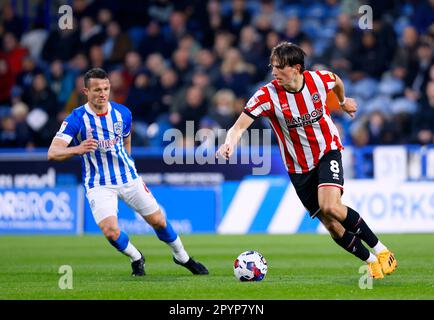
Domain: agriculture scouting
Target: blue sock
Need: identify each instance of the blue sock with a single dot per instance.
(121, 243)
(166, 234)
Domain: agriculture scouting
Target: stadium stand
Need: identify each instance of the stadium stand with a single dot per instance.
(166, 57)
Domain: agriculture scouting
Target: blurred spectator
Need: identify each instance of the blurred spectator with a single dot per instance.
(167, 87)
(423, 125)
(311, 58)
(211, 23)
(96, 58)
(176, 29)
(423, 15)
(11, 22)
(338, 55)
(104, 18)
(116, 44)
(189, 44)
(251, 48)
(77, 97)
(379, 129)
(223, 41)
(79, 64)
(235, 73)
(40, 96)
(81, 9)
(118, 87)
(416, 78)
(222, 111)
(34, 41)
(153, 41)
(293, 32)
(370, 59)
(23, 136)
(143, 104)
(11, 58)
(8, 133)
(238, 17)
(346, 26)
(132, 67)
(182, 65)
(193, 109)
(60, 81)
(206, 61)
(156, 64)
(141, 99)
(90, 34)
(199, 80)
(384, 31)
(269, 15)
(25, 77)
(61, 44)
(405, 58)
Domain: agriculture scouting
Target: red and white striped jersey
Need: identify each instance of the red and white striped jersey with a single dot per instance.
(301, 121)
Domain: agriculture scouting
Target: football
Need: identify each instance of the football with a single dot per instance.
(250, 266)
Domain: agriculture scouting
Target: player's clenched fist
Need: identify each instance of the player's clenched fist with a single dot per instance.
(225, 151)
(350, 107)
(88, 145)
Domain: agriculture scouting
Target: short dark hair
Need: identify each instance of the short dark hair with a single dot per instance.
(288, 54)
(96, 73)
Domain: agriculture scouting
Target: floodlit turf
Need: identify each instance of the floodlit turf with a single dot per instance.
(300, 267)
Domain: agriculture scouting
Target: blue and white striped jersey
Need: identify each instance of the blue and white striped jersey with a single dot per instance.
(110, 164)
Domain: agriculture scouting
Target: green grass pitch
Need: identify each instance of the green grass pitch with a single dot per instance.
(303, 266)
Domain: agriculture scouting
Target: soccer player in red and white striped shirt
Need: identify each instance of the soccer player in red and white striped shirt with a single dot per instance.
(295, 105)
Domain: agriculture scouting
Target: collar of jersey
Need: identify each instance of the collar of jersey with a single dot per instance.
(298, 91)
(89, 110)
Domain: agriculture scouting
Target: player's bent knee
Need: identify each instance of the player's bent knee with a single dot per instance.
(156, 220)
(110, 232)
(329, 209)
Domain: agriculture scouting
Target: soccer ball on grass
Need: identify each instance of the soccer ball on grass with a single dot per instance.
(250, 266)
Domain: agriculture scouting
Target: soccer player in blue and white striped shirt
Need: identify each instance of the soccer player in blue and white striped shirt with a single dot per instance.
(100, 132)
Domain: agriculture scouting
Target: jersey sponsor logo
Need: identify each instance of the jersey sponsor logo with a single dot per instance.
(305, 119)
(117, 127)
(315, 97)
(108, 144)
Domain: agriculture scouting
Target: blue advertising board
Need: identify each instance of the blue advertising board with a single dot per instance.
(189, 209)
(43, 211)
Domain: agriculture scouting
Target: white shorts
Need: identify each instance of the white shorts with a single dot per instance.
(103, 200)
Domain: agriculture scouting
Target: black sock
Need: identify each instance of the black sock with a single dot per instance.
(353, 245)
(355, 224)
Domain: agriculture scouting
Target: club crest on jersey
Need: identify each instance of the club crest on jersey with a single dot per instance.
(315, 97)
(117, 127)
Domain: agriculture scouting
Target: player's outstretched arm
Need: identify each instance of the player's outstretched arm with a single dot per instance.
(60, 151)
(349, 105)
(234, 134)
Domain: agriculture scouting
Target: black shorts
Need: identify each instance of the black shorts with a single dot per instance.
(328, 172)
